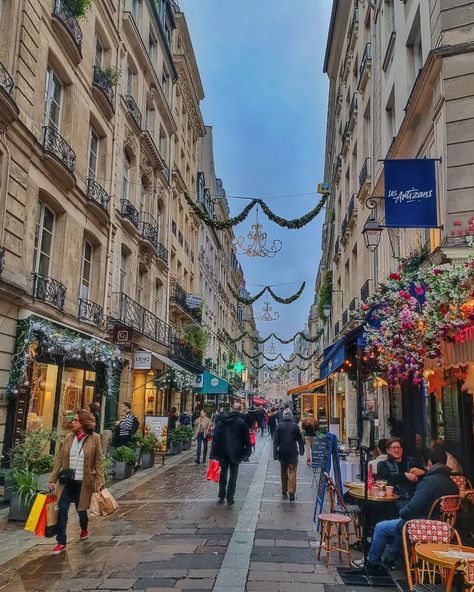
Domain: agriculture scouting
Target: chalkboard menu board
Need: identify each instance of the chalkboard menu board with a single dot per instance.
(330, 454)
(318, 453)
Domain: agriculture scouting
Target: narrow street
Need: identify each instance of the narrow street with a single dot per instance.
(170, 533)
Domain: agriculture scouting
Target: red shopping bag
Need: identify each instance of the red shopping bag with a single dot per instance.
(253, 439)
(40, 529)
(213, 471)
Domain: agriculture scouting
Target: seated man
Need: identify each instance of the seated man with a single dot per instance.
(435, 484)
(399, 470)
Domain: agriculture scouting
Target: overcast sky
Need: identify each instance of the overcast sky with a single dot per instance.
(266, 98)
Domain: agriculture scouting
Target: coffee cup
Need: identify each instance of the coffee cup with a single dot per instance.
(389, 490)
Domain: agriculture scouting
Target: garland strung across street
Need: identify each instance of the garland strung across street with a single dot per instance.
(224, 224)
(280, 355)
(252, 299)
(265, 339)
(267, 367)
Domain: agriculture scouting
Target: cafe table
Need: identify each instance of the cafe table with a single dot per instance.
(358, 492)
(437, 554)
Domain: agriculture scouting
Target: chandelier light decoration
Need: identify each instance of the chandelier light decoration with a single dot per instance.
(272, 350)
(267, 314)
(258, 245)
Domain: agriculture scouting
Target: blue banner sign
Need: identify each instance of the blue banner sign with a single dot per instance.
(410, 193)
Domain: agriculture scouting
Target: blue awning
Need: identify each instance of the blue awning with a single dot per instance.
(213, 385)
(334, 357)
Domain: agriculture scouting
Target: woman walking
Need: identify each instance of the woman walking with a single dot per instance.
(78, 472)
(309, 426)
(287, 443)
(201, 430)
(272, 421)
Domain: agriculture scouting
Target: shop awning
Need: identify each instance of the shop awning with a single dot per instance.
(307, 388)
(457, 353)
(259, 401)
(213, 385)
(334, 357)
(169, 362)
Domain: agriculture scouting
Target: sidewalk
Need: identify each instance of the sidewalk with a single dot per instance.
(170, 534)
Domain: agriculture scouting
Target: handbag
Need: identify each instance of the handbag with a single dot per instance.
(66, 476)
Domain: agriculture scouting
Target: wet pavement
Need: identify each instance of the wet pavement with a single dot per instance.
(170, 534)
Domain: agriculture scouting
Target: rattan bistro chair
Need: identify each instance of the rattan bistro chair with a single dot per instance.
(448, 507)
(337, 504)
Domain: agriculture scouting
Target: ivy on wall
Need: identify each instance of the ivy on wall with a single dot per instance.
(325, 294)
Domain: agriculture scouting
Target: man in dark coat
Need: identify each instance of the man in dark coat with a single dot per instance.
(287, 444)
(436, 483)
(399, 470)
(230, 446)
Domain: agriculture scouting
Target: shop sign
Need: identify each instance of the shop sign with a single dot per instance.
(198, 381)
(123, 337)
(410, 193)
(159, 427)
(193, 301)
(142, 360)
(466, 334)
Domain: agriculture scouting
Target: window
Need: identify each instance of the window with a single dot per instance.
(165, 80)
(415, 48)
(52, 100)
(390, 116)
(152, 47)
(99, 53)
(142, 198)
(135, 10)
(157, 298)
(150, 120)
(140, 283)
(130, 75)
(43, 239)
(123, 271)
(163, 147)
(126, 177)
(86, 268)
(93, 153)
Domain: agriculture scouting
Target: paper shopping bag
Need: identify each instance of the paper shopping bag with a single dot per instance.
(107, 503)
(35, 512)
(94, 508)
(51, 508)
(41, 524)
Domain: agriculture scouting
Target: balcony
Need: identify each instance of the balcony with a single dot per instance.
(68, 30)
(345, 318)
(149, 141)
(353, 29)
(339, 99)
(365, 66)
(186, 356)
(49, 290)
(350, 216)
(103, 92)
(134, 111)
(338, 169)
(337, 248)
(59, 157)
(346, 64)
(353, 305)
(8, 109)
(178, 296)
(365, 291)
(352, 113)
(365, 178)
(142, 320)
(130, 214)
(337, 328)
(162, 253)
(98, 195)
(90, 312)
(2, 260)
(346, 135)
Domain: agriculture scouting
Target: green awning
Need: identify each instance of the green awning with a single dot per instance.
(213, 385)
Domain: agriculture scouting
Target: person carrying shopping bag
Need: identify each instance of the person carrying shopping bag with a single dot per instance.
(78, 472)
(201, 430)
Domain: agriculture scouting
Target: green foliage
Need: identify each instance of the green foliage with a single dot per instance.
(124, 454)
(413, 263)
(187, 432)
(325, 294)
(265, 339)
(25, 485)
(32, 453)
(108, 468)
(136, 439)
(149, 444)
(79, 7)
(176, 436)
(197, 337)
(43, 465)
(112, 74)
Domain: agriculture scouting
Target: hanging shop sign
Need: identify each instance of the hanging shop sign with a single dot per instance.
(410, 193)
(466, 334)
(193, 301)
(199, 381)
(142, 360)
(122, 337)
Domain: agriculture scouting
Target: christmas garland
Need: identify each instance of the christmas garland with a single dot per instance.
(283, 341)
(230, 222)
(296, 367)
(295, 355)
(252, 299)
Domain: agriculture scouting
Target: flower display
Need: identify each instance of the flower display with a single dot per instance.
(179, 380)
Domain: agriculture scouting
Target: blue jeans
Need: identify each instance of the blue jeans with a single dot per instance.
(383, 531)
(201, 440)
(71, 494)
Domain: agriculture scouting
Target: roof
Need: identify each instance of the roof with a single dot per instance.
(330, 35)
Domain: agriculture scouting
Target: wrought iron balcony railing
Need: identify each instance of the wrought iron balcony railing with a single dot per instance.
(6, 81)
(162, 253)
(97, 194)
(55, 144)
(49, 290)
(130, 212)
(349, 217)
(2, 260)
(101, 80)
(184, 352)
(353, 304)
(365, 291)
(364, 172)
(149, 232)
(345, 317)
(179, 296)
(144, 321)
(90, 311)
(134, 110)
(63, 12)
(366, 58)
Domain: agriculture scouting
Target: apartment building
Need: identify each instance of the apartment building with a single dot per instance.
(401, 86)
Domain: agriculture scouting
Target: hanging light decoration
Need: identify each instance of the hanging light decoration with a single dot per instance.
(258, 245)
(266, 314)
(272, 350)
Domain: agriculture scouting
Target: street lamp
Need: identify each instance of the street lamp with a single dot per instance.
(327, 311)
(372, 232)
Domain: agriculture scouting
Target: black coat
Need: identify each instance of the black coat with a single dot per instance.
(394, 473)
(231, 441)
(287, 442)
(435, 484)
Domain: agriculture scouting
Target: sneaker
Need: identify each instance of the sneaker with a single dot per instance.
(230, 502)
(84, 534)
(389, 564)
(358, 563)
(308, 462)
(58, 549)
(284, 494)
(292, 497)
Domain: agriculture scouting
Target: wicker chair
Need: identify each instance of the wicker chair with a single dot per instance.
(337, 504)
(426, 531)
(469, 575)
(462, 482)
(448, 507)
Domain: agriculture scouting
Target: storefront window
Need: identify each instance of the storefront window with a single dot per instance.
(43, 391)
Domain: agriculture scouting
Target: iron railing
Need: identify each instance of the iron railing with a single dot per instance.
(148, 228)
(351, 210)
(364, 172)
(365, 291)
(2, 260)
(54, 143)
(184, 352)
(366, 58)
(64, 13)
(345, 133)
(134, 110)
(100, 80)
(337, 328)
(162, 253)
(353, 107)
(345, 318)
(49, 290)
(6, 81)
(97, 194)
(130, 212)
(179, 296)
(353, 304)
(144, 321)
(90, 311)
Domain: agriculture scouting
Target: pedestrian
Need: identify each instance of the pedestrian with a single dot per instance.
(196, 414)
(95, 410)
(309, 426)
(78, 472)
(280, 413)
(127, 427)
(172, 423)
(272, 421)
(201, 430)
(185, 418)
(230, 446)
(287, 444)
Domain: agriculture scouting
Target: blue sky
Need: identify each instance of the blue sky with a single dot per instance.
(266, 98)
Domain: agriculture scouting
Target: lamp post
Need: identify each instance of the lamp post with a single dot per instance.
(372, 233)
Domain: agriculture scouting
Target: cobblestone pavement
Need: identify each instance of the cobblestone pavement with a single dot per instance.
(170, 534)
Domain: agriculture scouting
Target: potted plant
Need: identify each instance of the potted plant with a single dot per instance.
(23, 494)
(42, 468)
(125, 459)
(176, 442)
(188, 434)
(136, 442)
(148, 451)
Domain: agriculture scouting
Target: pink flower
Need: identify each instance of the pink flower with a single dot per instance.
(405, 294)
(419, 291)
(437, 271)
(395, 276)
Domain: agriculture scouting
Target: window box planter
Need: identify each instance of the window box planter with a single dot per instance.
(19, 511)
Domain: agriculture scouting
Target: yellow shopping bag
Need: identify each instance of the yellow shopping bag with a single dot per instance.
(35, 512)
